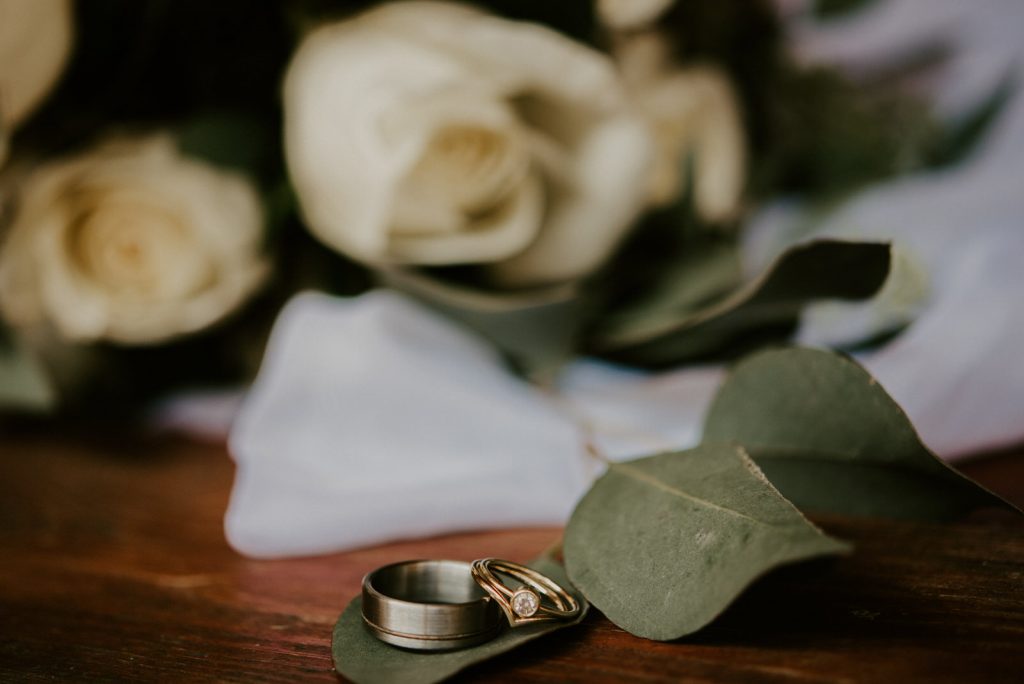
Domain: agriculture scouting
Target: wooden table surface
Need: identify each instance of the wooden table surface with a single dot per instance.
(113, 567)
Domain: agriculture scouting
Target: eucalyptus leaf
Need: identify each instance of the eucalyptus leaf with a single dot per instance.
(661, 545)
(962, 137)
(816, 270)
(362, 658)
(280, 204)
(698, 278)
(829, 9)
(861, 325)
(24, 383)
(829, 437)
(229, 140)
(536, 329)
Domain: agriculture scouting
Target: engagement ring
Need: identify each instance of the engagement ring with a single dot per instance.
(524, 603)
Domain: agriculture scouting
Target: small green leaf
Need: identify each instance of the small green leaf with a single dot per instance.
(535, 329)
(829, 9)
(962, 138)
(697, 279)
(861, 325)
(661, 545)
(361, 657)
(24, 384)
(820, 269)
(829, 437)
(279, 204)
(229, 140)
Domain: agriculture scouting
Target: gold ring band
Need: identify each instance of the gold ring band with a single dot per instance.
(524, 604)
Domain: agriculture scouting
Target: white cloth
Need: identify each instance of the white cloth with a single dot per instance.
(373, 419)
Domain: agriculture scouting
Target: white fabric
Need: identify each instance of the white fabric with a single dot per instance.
(630, 413)
(373, 419)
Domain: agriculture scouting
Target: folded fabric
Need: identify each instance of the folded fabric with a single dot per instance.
(372, 419)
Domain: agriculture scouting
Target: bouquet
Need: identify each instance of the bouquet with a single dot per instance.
(561, 180)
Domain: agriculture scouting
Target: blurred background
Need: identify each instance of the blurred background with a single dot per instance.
(596, 180)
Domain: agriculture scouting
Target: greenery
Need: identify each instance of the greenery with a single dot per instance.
(672, 294)
(663, 544)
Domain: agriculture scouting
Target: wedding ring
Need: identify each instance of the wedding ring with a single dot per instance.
(428, 605)
(524, 603)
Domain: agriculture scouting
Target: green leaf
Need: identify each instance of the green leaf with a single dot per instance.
(280, 204)
(661, 545)
(820, 269)
(229, 140)
(362, 658)
(861, 325)
(535, 329)
(695, 280)
(825, 134)
(829, 9)
(829, 437)
(963, 137)
(24, 384)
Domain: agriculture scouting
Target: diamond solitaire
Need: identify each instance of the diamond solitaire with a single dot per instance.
(525, 603)
(522, 602)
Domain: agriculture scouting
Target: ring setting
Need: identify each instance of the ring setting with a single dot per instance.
(525, 603)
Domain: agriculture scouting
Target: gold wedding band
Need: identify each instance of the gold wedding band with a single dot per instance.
(524, 604)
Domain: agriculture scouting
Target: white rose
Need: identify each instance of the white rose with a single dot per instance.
(427, 133)
(35, 40)
(130, 242)
(694, 114)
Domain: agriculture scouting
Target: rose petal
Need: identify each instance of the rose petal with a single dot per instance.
(625, 15)
(35, 41)
(589, 218)
(341, 86)
(506, 231)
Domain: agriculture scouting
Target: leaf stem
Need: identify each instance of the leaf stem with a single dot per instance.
(584, 425)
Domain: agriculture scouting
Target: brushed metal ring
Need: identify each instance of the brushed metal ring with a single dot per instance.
(524, 604)
(428, 605)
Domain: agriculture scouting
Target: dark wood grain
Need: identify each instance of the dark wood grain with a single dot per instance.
(113, 566)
